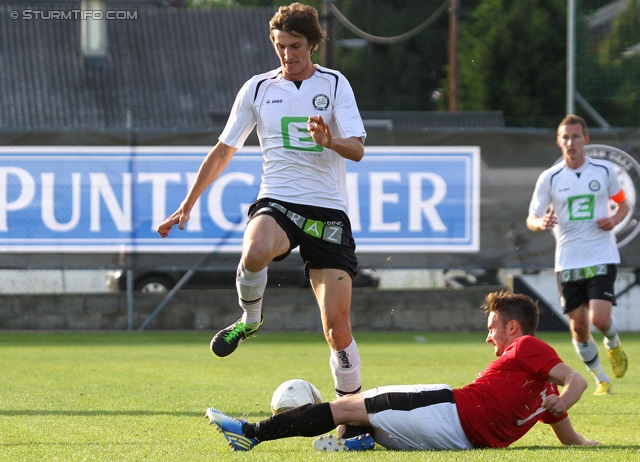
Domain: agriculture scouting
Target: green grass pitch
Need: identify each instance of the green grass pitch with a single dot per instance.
(142, 396)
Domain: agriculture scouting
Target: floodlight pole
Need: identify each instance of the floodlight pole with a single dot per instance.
(571, 55)
(453, 55)
(327, 51)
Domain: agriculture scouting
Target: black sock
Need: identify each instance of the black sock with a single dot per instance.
(307, 420)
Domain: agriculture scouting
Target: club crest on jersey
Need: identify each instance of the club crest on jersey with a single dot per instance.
(321, 102)
(594, 185)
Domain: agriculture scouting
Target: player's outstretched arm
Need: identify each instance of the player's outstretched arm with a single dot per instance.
(573, 385)
(567, 435)
(212, 166)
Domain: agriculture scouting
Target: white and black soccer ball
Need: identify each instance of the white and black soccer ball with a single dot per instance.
(294, 393)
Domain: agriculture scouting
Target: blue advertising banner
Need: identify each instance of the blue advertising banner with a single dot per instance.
(94, 199)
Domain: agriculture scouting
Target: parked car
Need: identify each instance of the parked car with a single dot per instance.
(159, 281)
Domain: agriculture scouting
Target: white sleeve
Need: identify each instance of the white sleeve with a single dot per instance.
(242, 118)
(614, 183)
(541, 198)
(346, 113)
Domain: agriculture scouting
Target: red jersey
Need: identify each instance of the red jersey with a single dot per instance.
(504, 402)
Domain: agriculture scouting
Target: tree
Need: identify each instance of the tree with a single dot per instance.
(609, 78)
(406, 75)
(625, 33)
(245, 3)
(512, 59)
(399, 76)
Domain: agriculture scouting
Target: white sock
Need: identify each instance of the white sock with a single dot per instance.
(588, 352)
(611, 338)
(250, 288)
(345, 367)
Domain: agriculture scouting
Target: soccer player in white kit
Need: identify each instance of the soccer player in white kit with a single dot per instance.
(572, 199)
(308, 125)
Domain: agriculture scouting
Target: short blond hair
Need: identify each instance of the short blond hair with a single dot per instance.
(573, 119)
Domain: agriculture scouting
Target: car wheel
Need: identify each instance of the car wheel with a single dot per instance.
(154, 284)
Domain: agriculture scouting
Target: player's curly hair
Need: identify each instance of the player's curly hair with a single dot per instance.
(510, 306)
(298, 19)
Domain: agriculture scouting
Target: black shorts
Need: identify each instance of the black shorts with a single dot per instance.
(574, 291)
(324, 235)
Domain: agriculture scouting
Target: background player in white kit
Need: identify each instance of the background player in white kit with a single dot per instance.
(572, 199)
(308, 124)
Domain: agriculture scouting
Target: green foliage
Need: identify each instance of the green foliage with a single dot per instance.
(592, 5)
(512, 58)
(626, 32)
(398, 76)
(245, 3)
(207, 4)
(607, 78)
(141, 396)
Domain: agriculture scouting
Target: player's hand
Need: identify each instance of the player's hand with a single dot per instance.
(548, 221)
(582, 441)
(591, 442)
(179, 217)
(605, 224)
(554, 404)
(320, 131)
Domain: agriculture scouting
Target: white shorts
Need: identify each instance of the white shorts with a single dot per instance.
(418, 417)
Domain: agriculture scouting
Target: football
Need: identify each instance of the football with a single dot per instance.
(294, 393)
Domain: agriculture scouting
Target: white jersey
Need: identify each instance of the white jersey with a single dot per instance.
(579, 198)
(295, 168)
